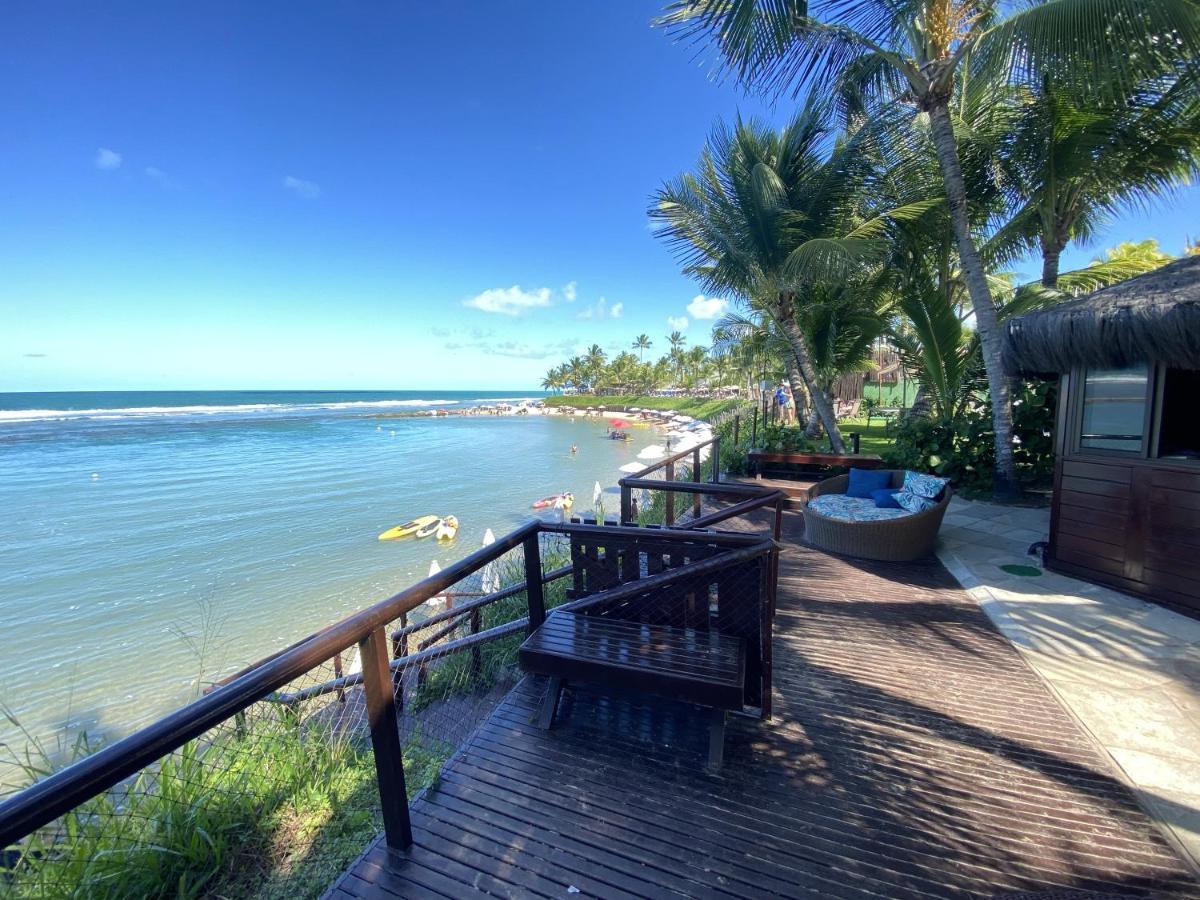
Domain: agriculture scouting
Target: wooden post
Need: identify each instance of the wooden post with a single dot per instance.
(476, 653)
(754, 431)
(778, 518)
(716, 458)
(670, 512)
(737, 428)
(696, 498)
(626, 505)
(533, 583)
(385, 739)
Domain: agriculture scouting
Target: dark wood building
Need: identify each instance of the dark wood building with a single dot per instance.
(1126, 508)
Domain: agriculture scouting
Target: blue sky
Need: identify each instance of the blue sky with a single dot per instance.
(351, 195)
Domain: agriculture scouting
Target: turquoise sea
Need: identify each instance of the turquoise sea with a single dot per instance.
(151, 538)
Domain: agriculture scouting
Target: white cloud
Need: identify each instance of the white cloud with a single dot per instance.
(161, 178)
(569, 292)
(106, 160)
(511, 301)
(601, 309)
(703, 307)
(677, 323)
(301, 187)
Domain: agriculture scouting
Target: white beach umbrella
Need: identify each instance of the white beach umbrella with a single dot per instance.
(596, 491)
(632, 467)
(654, 451)
(491, 577)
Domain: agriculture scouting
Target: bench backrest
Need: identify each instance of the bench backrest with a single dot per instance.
(735, 600)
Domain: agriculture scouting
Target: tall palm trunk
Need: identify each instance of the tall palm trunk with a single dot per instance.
(795, 338)
(1005, 484)
(1050, 256)
(799, 394)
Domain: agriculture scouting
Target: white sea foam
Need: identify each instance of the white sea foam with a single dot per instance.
(9, 416)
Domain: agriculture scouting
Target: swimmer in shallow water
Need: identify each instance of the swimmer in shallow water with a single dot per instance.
(574, 449)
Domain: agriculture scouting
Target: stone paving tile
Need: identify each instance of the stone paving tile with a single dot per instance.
(1128, 670)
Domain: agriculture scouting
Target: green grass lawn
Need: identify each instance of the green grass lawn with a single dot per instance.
(689, 406)
(874, 437)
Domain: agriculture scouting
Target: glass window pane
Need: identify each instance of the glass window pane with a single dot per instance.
(1179, 433)
(1114, 408)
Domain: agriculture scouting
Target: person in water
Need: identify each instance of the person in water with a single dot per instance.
(574, 449)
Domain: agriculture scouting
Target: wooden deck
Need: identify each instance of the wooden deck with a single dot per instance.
(912, 754)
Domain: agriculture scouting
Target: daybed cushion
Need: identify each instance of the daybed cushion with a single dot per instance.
(885, 498)
(863, 481)
(845, 508)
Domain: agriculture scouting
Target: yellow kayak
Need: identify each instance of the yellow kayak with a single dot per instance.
(407, 528)
(447, 529)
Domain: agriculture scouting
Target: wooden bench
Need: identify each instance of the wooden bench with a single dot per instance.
(758, 458)
(702, 667)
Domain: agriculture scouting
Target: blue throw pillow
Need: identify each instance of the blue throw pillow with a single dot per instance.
(864, 481)
(885, 498)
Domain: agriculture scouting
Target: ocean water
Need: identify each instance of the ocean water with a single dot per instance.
(147, 539)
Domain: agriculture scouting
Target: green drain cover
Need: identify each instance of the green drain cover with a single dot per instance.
(1024, 571)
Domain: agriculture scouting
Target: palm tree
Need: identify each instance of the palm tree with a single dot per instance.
(594, 362)
(1074, 163)
(676, 340)
(884, 51)
(577, 372)
(640, 343)
(768, 217)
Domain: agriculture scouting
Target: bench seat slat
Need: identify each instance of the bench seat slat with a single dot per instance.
(704, 667)
(663, 644)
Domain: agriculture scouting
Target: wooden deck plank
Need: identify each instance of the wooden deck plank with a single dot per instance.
(913, 753)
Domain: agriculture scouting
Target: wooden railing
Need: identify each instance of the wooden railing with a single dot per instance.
(645, 564)
(747, 497)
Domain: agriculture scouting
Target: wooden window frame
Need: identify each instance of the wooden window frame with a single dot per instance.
(1149, 419)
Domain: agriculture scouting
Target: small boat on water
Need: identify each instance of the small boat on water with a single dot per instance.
(447, 528)
(412, 527)
(429, 528)
(567, 498)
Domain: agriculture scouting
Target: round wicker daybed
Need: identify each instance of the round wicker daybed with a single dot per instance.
(893, 540)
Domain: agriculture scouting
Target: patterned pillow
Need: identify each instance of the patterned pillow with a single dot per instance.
(914, 502)
(927, 486)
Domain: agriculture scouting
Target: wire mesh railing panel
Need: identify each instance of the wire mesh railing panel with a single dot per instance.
(281, 797)
(280, 792)
(278, 798)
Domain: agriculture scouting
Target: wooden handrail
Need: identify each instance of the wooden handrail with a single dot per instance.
(46, 800)
(472, 605)
(727, 538)
(665, 579)
(738, 509)
(715, 440)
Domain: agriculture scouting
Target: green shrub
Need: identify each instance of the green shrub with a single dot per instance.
(963, 449)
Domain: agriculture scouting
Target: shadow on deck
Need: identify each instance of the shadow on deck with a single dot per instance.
(912, 754)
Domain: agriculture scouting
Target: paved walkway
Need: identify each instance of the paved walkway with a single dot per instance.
(1128, 670)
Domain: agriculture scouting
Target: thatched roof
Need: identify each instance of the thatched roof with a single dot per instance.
(1151, 318)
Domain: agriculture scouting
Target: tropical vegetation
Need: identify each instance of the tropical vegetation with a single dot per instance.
(957, 138)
